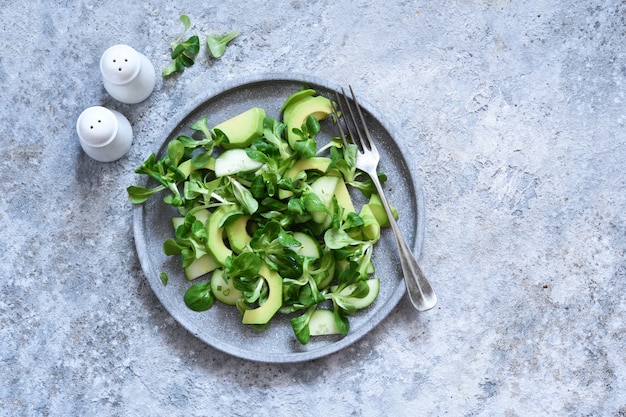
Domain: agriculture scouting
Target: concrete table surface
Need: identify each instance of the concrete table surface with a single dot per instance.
(513, 113)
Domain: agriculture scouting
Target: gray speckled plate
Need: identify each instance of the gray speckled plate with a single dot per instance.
(221, 326)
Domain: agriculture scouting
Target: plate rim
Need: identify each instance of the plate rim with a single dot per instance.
(289, 357)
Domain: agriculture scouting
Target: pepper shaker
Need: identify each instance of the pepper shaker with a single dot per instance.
(105, 135)
(128, 75)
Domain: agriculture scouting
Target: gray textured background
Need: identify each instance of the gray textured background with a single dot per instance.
(514, 115)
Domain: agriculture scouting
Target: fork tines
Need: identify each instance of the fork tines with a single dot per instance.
(349, 115)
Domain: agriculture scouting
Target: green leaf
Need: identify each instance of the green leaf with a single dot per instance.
(244, 197)
(171, 248)
(338, 238)
(300, 326)
(287, 240)
(361, 289)
(287, 262)
(305, 148)
(344, 160)
(295, 205)
(325, 268)
(170, 69)
(178, 51)
(342, 309)
(258, 187)
(348, 275)
(217, 44)
(341, 319)
(352, 220)
(192, 189)
(138, 195)
(246, 265)
(164, 278)
(312, 126)
(186, 21)
(202, 125)
(184, 61)
(199, 297)
(192, 46)
(175, 151)
(180, 64)
(257, 155)
(313, 203)
(200, 160)
(183, 52)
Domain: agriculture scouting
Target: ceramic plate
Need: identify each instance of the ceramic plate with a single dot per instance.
(221, 325)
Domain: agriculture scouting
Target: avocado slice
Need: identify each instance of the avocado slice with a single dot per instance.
(376, 205)
(371, 228)
(317, 163)
(215, 233)
(186, 168)
(237, 233)
(263, 314)
(295, 97)
(343, 197)
(242, 129)
(295, 116)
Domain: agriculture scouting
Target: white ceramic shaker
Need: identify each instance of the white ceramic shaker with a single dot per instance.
(128, 75)
(105, 135)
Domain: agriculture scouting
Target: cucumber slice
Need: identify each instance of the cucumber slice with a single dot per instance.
(223, 288)
(201, 266)
(323, 323)
(310, 247)
(324, 187)
(233, 161)
(201, 215)
(366, 301)
(177, 221)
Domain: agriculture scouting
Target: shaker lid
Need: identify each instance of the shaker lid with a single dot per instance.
(97, 126)
(120, 64)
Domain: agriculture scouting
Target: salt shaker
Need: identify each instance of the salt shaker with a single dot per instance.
(128, 75)
(105, 135)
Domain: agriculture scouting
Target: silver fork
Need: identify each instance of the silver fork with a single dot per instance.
(420, 291)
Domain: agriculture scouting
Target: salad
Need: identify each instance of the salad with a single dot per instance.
(266, 221)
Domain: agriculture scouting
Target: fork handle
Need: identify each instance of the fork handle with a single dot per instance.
(420, 291)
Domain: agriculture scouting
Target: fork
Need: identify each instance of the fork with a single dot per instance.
(420, 291)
